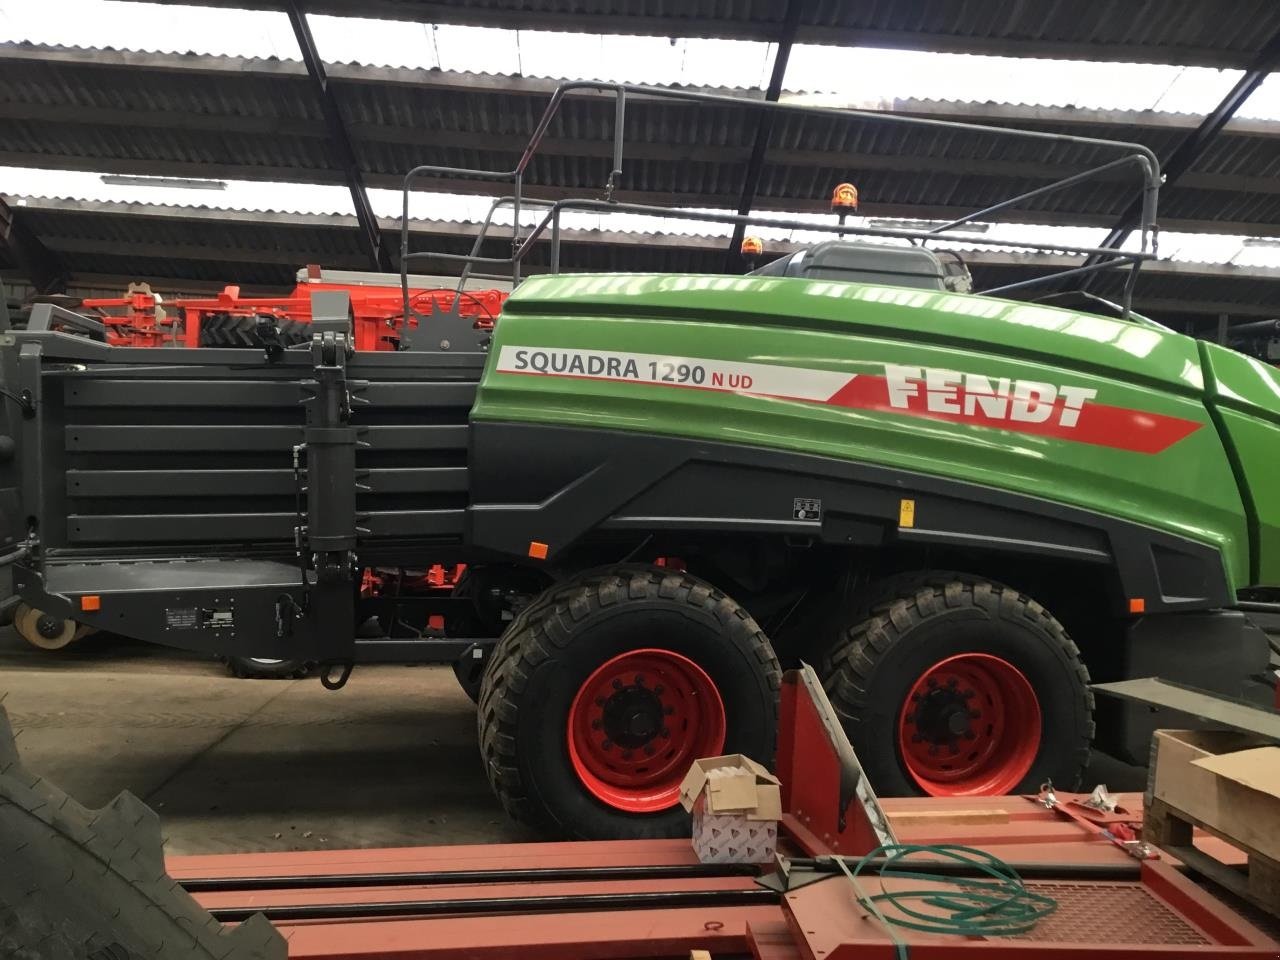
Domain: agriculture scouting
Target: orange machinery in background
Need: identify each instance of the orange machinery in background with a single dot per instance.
(143, 318)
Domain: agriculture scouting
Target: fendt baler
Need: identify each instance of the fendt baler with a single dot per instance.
(960, 508)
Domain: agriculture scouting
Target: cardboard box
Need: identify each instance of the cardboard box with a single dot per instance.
(736, 805)
(1226, 780)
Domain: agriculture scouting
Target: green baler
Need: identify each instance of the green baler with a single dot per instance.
(959, 508)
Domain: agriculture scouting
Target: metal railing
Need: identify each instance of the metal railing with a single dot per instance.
(1097, 259)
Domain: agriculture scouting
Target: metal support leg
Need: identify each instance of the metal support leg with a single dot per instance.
(329, 538)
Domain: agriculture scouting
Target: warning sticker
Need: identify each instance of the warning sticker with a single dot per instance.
(699, 373)
(805, 508)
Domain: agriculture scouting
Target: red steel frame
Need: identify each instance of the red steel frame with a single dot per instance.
(819, 921)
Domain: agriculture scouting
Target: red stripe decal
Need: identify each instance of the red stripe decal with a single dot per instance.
(1098, 423)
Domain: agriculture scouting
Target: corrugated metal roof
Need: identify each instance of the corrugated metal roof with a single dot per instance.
(1204, 32)
(113, 111)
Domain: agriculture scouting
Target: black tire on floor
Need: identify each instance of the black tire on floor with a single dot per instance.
(903, 626)
(257, 668)
(81, 884)
(560, 640)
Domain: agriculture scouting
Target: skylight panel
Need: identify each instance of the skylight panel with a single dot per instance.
(154, 27)
(542, 53)
(233, 195)
(867, 75)
(1263, 103)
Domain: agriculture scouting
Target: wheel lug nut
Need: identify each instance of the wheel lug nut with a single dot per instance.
(666, 733)
(953, 683)
(648, 749)
(626, 754)
(617, 684)
(639, 680)
(607, 745)
(658, 689)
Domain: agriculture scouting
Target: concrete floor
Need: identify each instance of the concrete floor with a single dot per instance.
(236, 765)
(261, 765)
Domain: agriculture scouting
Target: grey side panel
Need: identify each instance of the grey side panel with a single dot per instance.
(1218, 651)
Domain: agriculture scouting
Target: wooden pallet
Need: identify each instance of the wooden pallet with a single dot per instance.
(1171, 830)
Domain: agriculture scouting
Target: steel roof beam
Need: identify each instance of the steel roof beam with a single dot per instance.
(339, 139)
(764, 129)
(26, 251)
(1184, 157)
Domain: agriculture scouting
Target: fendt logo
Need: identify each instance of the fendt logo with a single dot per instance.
(930, 390)
(1063, 411)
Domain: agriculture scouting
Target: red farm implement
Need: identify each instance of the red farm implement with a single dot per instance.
(143, 318)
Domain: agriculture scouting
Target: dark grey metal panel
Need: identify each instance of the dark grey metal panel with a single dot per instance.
(421, 394)
(426, 437)
(106, 392)
(178, 483)
(414, 523)
(181, 527)
(417, 480)
(191, 437)
(85, 438)
(250, 483)
(152, 575)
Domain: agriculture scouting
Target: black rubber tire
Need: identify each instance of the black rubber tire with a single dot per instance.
(561, 638)
(902, 625)
(231, 330)
(250, 668)
(79, 884)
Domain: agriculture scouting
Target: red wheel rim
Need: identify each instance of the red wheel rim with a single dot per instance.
(969, 726)
(638, 723)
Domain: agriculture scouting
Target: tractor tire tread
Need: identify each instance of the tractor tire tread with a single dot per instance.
(546, 623)
(897, 604)
(81, 883)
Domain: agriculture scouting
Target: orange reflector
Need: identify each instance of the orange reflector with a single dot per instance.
(752, 246)
(537, 550)
(91, 603)
(844, 198)
(1137, 605)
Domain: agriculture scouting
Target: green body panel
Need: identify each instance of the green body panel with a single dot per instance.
(1187, 488)
(1245, 394)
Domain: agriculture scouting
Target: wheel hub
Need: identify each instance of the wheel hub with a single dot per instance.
(943, 715)
(970, 725)
(637, 723)
(632, 716)
(50, 627)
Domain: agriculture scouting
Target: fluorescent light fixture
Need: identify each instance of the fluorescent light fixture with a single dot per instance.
(926, 225)
(171, 183)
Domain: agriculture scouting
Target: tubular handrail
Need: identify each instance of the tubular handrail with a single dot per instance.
(1101, 258)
